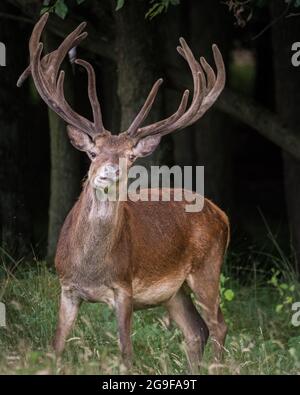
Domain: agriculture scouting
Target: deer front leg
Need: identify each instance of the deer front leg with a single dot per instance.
(124, 309)
(69, 306)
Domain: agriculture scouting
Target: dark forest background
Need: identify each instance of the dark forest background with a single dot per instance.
(249, 142)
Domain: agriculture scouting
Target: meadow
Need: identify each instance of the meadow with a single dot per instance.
(256, 302)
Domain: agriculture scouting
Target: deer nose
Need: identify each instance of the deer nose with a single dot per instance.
(111, 170)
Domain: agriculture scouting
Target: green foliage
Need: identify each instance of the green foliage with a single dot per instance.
(259, 340)
(243, 10)
(156, 7)
(159, 6)
(120, 4)
(226, 294)
(59, 7)
(286, 290)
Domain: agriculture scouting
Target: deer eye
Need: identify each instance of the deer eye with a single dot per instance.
(92, 155)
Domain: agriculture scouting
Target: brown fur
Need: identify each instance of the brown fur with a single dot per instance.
(147, 251)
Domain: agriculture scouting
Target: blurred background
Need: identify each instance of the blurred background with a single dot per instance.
(249, 142)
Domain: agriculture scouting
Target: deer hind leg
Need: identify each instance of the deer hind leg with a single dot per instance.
(204, 282)
(69, 306)
(183, 312)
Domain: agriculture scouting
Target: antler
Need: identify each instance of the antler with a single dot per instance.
(45, 71)
(207, 88)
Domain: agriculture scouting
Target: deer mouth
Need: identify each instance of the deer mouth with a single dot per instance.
(104, 183)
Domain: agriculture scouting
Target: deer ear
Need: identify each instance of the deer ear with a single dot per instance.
(146, 146)
(79, 140)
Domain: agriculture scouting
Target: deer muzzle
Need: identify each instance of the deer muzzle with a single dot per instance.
(106, 176)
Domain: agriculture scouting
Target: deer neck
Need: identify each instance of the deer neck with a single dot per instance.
(95, 233)
(100, 216)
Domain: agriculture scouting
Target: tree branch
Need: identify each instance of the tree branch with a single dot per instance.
(260, 119)
(250, 113)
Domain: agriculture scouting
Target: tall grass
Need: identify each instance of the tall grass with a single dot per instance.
(261, 339)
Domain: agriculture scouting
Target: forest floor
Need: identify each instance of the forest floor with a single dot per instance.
(261, 338)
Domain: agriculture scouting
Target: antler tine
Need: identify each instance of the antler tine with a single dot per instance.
(35, 71)
(185, 51)
(51, 89)
(139, 119)
(211, 77)
(71, 41)
(207, 88)
(36, 33)
(162, 125)
(33, 43)
(158, 127)
(66, 112)
(53, 95)
(221, 73)
(55, 57)
(215, 84)
(92, 92)
(166, 126)
(23, 77)
(199, 81)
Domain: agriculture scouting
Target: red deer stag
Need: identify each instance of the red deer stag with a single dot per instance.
(135, 255)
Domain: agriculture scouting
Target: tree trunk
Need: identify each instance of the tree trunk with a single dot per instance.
(287, 78)
(15, 228)
(136, 61)
(65, 165)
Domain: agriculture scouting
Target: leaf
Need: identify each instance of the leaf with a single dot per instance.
(79, 1)
(152, 11)
(288, 300)
(279, 308)
(284, 286)
(229, 294)
(61, 9)
(120, 4)
(160, 6)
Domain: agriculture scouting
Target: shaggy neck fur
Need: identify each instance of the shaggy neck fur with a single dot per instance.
(100, 220)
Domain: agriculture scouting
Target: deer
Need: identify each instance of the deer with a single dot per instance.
(135, 254)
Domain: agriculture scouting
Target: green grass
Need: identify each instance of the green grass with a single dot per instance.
(260, 340)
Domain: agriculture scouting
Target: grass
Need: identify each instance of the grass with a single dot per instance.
(261, 340)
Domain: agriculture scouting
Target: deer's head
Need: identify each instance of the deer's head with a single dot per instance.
(104, 149)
